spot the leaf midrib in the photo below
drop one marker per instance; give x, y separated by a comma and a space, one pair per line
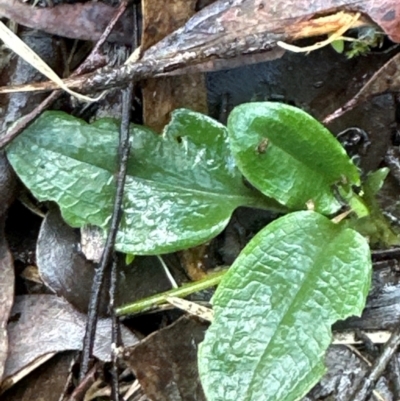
237, 199
313, 170
285, 314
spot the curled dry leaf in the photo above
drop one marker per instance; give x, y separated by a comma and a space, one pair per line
7, 193
43, 324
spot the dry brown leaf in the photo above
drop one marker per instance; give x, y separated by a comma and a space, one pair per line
163, 95
66, 271
6, 296
62, 266
45, 383
386, 79
229, 29
162, 18
19, 47
85, 21
43, 324
165, 363
7, 193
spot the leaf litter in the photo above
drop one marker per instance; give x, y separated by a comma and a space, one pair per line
174, 350
385, 4
7, 193
385, 80
68, 273
85, 21
46, 324
212, 33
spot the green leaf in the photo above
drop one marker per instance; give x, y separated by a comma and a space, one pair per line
129, 258
289, 156
338, 45
181, 187
365, 204
275, 306
375, 225
375, 181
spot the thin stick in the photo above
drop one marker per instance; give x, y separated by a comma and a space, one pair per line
105, 260
115, 333
385, 254
368, 383
116, 340
167, 272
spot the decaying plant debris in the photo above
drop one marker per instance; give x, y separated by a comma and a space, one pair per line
222, 34
213, 33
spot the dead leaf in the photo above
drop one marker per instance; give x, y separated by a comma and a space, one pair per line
165, 363
85, 21
7, 193
18, 71
161, 19
43, 324
386, 13
163, 95
386, 79
62, 266
66, 271
8, 184
45, 383
6, 295
229, 29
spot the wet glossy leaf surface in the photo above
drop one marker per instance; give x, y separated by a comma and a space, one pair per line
66, 271
181, 187
275, 308
288, 155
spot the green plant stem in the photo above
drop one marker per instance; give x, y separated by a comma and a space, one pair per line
147, 303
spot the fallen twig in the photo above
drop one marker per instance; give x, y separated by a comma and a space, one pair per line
368, 383
223, 30
98, 279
